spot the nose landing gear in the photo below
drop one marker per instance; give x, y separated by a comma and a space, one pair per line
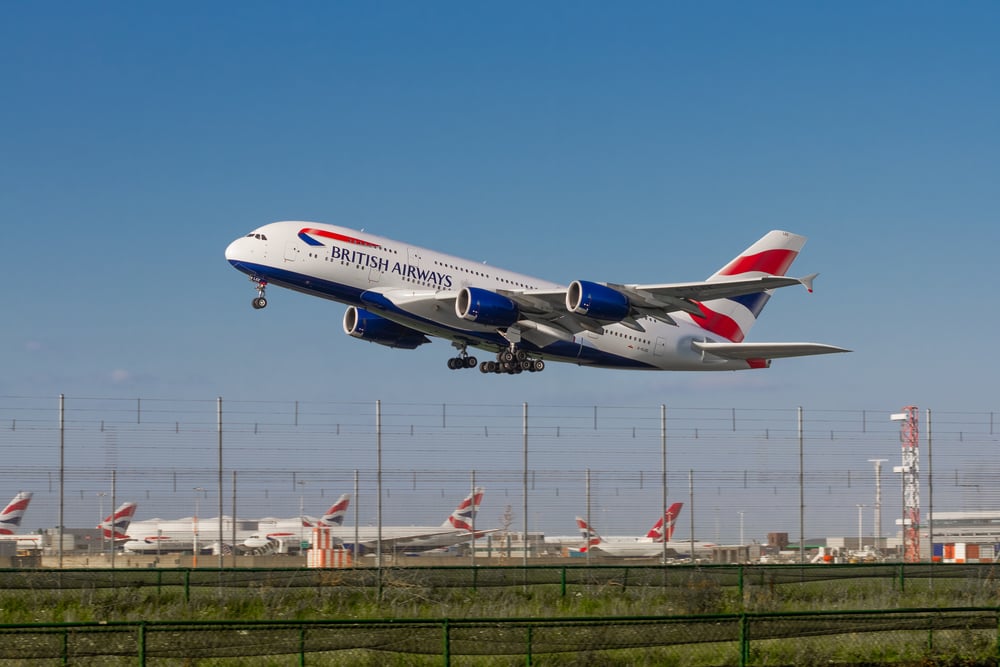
260, 301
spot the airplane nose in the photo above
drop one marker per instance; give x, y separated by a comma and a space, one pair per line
232, 250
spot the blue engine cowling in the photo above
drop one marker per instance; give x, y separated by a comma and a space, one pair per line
359, 323
597, 301
485, 307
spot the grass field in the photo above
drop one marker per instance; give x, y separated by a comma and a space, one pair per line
695, 642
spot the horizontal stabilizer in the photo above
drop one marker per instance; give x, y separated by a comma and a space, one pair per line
764, 350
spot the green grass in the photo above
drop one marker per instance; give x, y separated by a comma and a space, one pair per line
697, 594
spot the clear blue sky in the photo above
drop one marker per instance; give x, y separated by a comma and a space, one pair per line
643, 143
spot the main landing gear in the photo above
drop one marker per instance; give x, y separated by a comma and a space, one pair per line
463, 360
260, 301
511, 361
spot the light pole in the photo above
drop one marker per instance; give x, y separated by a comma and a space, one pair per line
302, 512
742, 542
878, 501
194, 524
100, 519
860, 508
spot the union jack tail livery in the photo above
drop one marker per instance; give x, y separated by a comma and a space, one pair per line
115, 525
656, 532
10, 518
590, 536
333, 517
772, 255
462, 517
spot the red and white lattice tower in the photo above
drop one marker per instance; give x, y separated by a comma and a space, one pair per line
910, 438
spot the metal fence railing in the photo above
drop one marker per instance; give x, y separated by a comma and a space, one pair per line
900, 636
743, 578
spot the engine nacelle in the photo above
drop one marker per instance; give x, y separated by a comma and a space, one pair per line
485, 307
596, 301
359, 323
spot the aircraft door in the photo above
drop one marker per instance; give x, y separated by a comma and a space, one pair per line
659, 347
292, 250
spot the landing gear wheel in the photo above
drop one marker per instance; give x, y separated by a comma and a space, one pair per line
506, 356
539, 366
259, 302
471, 362
521, 355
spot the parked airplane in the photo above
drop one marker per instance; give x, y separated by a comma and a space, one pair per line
456, 529
398, 294
270, 530
10, 518
115, 524
650, 545
10, 522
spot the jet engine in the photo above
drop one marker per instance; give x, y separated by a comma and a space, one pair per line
596, 301
362, 324
485, 307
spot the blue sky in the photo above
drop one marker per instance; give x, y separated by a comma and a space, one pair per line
568, 140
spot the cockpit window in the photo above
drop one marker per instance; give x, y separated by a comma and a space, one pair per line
253, 235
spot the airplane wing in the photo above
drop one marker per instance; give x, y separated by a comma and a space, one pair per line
764, 350
545, 316
428, 540
549, 307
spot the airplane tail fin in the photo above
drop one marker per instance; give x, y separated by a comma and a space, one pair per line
10, 518
732, 318
590, 536
463, 515
663, 529
114, 526
333, 517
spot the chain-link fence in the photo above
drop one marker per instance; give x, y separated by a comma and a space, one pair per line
953, 636
741, 473
702, 615
744, 578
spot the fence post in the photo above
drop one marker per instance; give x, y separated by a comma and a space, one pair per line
562, 581
527, 657
902, 577
142, 643
187, 585
998, 635
744, 639
65, 646
740, 585
302, 646
446, 643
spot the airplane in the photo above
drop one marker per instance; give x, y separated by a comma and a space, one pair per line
270, 530
10, 522
257, 535
398, 294
115, 524
456, 529
10, 518
650, 545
